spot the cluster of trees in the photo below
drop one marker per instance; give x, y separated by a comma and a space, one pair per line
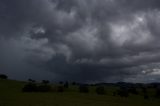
83, 88
100, 90
3, 76
157, 92
44, 86
126, 91
31, 86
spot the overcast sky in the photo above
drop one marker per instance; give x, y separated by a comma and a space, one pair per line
80, 40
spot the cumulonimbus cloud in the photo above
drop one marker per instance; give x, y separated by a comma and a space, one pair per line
81, 40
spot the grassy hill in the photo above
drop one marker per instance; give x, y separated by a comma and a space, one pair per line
11, 95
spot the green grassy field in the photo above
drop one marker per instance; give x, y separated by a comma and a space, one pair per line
11, 95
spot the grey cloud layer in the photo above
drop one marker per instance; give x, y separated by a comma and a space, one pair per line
82, 40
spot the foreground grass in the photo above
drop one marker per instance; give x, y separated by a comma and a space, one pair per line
11, 95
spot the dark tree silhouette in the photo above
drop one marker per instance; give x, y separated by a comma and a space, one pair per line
31, 81
73, 83
114, 93
44, 88
3, 76
133, 90
61, 82
45, 82
123, 92
30, 87
83, 89
66, 85
100, 90
60, 89
146, 96
145, 92
157, 89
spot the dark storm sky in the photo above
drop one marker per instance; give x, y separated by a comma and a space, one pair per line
80, 40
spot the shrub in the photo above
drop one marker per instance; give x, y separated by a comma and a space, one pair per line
123, 92
66, 85
100, 90
144, 90
45, 82
60, 89
30, 87
73, 83
3, 76
44, 88
114, 93
157, 95
133, 90
146, 96
61, 82
31, 81
83, 89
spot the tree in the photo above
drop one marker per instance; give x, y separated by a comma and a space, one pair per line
145, 92
73, 83
114, 93
133, 90
146, 96
60, 89
31, 81
100, 90
83, 89
44, 88
123, 92
66, 85
3, 76
45, 82
30, 87
61, 82
157, 95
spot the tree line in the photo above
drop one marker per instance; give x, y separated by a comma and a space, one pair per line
123, 90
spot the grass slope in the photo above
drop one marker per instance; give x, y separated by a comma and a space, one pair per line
11, 95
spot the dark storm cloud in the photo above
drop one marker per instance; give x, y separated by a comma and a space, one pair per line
81, 40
